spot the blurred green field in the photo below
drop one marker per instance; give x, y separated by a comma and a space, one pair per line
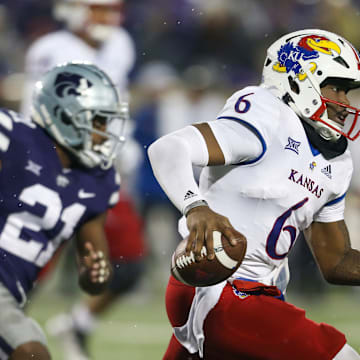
137, 327
339, 308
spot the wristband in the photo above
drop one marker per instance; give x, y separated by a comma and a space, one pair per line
194, 205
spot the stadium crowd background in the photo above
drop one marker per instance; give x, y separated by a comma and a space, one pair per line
191, 55
227, 38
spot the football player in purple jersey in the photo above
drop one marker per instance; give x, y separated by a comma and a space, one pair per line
57, 181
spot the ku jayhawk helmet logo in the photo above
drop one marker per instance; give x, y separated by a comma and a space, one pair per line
308, 48
71, 84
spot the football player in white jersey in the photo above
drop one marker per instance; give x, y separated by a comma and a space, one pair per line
93, 32
275, 163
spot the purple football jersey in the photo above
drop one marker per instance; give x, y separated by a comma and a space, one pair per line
41, 203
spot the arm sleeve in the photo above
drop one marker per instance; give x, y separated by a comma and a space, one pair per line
173, 155
238, 142
332, 211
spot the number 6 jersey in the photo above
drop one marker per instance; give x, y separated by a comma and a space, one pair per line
41, 203
272, 197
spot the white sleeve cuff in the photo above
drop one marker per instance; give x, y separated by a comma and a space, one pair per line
331, 212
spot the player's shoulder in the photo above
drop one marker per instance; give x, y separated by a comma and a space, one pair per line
48, 50
255, 107
122, 34
253, 99
344, 162
13, 122
15, 130
122, 40
50, 40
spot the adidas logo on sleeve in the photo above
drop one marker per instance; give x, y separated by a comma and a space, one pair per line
189, 194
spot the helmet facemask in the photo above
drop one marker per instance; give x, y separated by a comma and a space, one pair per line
347, 121
105, 125
299, 64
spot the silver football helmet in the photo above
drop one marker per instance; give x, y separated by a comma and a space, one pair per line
300, 63
70, 100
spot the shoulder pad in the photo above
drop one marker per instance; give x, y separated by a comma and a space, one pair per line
255, 107
10, 121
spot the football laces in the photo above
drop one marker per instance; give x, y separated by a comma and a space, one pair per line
184, 260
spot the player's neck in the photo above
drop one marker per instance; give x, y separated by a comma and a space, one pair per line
64, 157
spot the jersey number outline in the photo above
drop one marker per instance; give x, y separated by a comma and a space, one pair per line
278, 226
246, 104
31, 250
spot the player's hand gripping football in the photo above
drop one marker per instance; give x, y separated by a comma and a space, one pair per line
95, 270
201, 222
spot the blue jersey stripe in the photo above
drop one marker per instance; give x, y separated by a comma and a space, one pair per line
255, 131
5, 347
335, 201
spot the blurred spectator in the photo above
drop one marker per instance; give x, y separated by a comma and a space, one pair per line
11, 61
156, 83
34, 19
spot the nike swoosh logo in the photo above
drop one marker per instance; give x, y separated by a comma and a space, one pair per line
85, 195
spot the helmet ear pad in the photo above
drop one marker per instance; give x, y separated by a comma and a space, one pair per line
293, 85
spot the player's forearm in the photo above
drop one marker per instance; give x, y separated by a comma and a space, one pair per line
93, 232
347, 271
172, 158
92, 255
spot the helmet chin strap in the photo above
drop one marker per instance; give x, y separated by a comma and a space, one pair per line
89, 158
325, 132
328, 149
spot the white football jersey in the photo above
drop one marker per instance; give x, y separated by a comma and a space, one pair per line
273, 197
116, 57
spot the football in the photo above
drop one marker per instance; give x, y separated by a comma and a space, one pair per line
207, 272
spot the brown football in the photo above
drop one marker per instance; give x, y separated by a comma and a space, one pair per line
207, 272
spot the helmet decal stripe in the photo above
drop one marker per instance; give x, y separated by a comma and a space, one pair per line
356, 56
